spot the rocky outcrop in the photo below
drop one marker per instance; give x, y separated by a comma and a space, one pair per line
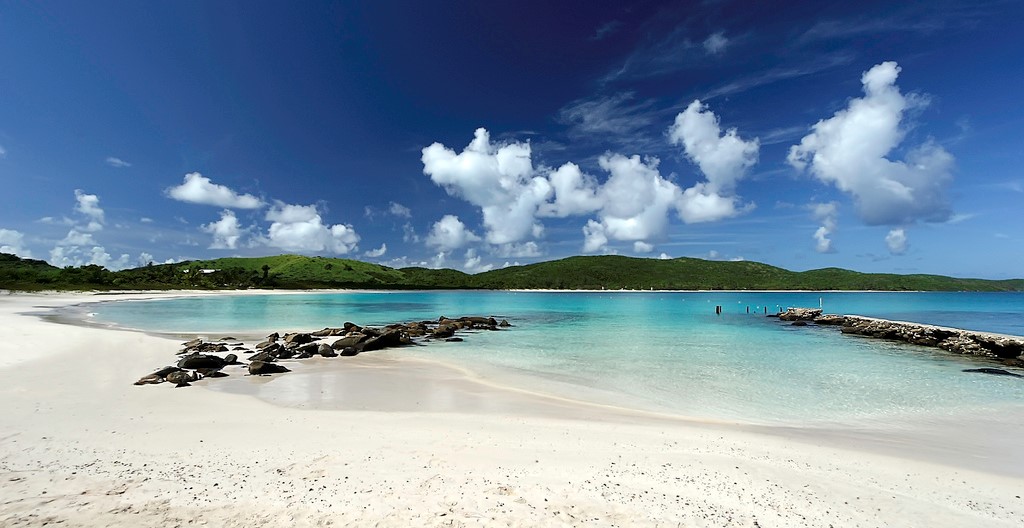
1009, 349
800, 314
950, 339
199, 360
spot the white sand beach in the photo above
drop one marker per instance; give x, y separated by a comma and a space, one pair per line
420, 445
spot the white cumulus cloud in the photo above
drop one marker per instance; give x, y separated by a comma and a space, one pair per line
636, 199
497, 178
642, 247
77, 238
13, 242
226, 231
199, 189
474, 263
850, 149
450, 233
896, 240
825, 213
723, 158
89, 205
575, 193
379, 252
300, 228
399, 210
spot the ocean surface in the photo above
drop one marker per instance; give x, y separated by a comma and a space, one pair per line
660, 351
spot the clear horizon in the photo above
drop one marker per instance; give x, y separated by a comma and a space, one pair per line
876, 137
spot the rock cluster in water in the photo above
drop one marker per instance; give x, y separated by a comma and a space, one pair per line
200, 360
1009, 349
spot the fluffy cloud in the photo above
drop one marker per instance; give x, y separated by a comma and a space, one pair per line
199, 189
62, 256
722, 158
497, 178
13, 242
77, 238
118, 163
450, 233
575, 193
825, 213
300, 228
716, 43
594, 237
632, 205
896, 240
399, 210
379, 252
474, 263
636, 199
642, 247
89, 206
849, 151
225, 231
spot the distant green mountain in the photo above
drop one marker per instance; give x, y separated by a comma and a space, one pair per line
589, 272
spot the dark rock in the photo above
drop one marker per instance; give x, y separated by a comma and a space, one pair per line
211, 373
228, 339
326, 351
504, 323
799, 323
197, 361
298, 339
258, 368
180, 378
230, 359
264, 356
157, 377
351, 327
193, 343
482, 321
454, 340
327, 332
995, 372
237, 348
444, 331
349, 341
348, 351
273, 337
800, 314
285, 353
829, 319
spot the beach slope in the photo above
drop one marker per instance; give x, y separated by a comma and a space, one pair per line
81, 446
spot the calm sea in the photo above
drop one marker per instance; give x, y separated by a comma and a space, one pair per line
662, 351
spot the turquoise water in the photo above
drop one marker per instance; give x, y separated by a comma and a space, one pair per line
657, 350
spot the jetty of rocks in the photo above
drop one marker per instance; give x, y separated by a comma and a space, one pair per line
1006, 348
200, 359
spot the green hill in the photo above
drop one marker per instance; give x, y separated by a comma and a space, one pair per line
589, 272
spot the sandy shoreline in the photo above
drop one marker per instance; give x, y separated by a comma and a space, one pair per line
80, 445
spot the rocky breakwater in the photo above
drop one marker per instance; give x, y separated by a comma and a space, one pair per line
202, 359
1007, 349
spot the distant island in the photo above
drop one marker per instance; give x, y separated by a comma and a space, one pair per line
609, 272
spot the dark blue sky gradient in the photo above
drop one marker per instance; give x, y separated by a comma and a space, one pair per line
329, 104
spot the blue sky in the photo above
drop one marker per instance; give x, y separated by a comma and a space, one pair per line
882, 136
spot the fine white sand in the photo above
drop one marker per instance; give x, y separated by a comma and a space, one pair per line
80, 445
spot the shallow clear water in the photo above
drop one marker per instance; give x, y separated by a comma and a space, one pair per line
658, 350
